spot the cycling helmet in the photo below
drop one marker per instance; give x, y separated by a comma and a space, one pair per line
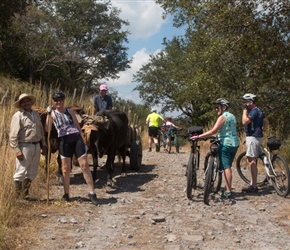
250, 97
153, 110
58, 95
222, 101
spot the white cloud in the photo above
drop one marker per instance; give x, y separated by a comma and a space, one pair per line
140, 58
145, 17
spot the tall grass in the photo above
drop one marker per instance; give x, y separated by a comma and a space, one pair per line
7, 198
10, 207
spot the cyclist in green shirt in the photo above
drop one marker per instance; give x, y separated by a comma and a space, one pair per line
153, 121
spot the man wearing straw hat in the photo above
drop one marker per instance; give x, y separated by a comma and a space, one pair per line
27, 139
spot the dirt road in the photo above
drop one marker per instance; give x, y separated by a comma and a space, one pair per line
149, 210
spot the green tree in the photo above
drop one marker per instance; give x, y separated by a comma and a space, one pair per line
71, 43
230, 48
8, 9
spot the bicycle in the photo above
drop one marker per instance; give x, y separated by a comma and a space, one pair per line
170, 138
166, 137
276, 170
194, 160
212, 170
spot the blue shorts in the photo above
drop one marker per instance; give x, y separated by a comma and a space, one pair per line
71, 144
227, 155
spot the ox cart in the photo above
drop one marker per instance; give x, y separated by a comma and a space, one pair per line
134, 147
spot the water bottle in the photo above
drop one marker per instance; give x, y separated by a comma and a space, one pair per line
265, 160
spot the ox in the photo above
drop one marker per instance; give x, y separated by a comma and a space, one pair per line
108, 136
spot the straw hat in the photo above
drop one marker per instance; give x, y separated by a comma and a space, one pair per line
22, 96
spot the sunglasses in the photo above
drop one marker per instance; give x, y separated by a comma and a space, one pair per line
217, 107
58, 100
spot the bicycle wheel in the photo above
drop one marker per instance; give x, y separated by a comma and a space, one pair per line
191, 176
208, 180
177, 147
218, 177
206, 161
169, 143
244, 170
217, 174
281, 181
176, 144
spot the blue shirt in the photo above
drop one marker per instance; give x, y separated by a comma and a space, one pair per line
102, 103
255, 127
228, 135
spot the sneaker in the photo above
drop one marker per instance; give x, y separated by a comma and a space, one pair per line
149, 150
157, 147
250, 189
65, 198
226, 195
93, 198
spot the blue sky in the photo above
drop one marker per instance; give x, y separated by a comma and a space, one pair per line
147, 32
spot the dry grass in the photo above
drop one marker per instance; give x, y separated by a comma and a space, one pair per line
13, 219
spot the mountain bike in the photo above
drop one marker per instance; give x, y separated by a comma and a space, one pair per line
167, 137
194, 160
171, 139
275, 170
212, 172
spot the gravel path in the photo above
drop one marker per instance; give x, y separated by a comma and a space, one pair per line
149, 210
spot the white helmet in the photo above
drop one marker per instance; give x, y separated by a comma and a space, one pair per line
250, 97
153, 110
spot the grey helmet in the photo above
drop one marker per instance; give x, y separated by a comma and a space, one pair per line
222, 101
250, 97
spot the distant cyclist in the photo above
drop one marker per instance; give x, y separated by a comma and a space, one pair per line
153, 121
168, 126
226, 128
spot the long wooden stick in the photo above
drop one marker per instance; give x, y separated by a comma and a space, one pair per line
48, 148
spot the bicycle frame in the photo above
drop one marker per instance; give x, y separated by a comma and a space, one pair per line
211, 170
193, 162
195, 150
270, 157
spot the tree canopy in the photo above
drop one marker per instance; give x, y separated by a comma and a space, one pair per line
70, 42
229, 48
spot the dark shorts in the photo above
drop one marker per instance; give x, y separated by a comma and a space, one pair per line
227, 156
153, 131
71, 144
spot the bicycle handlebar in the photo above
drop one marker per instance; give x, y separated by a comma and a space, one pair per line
205, 139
